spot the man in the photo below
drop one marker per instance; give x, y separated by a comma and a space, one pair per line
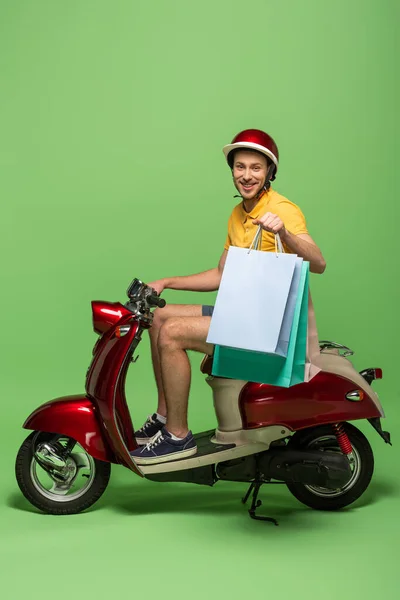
253, 158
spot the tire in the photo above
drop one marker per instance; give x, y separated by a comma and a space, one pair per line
323, 498
61, 499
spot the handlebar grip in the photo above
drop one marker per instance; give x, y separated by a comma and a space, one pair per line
153, 300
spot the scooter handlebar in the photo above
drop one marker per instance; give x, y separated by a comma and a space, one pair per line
154, 300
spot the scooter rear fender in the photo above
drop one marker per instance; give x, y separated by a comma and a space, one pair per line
73, 416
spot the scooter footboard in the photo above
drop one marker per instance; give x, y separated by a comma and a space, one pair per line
73, 416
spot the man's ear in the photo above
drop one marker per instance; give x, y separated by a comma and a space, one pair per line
271, 171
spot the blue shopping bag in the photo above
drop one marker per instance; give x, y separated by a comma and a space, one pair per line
266, 368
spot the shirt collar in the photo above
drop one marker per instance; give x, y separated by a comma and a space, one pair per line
259, 208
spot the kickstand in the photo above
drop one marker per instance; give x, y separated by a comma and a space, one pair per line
255, 488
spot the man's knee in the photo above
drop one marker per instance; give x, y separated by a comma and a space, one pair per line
160, 315
171, 331
157, 319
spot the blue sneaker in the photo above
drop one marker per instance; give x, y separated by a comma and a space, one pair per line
162, 448
149, 430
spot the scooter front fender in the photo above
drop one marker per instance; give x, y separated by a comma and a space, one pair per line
73, 416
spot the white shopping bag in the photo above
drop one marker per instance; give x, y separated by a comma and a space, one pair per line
256, 299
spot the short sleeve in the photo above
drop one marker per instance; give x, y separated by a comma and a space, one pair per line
292, 217
228, 242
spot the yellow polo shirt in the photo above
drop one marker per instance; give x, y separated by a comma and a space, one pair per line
241, 230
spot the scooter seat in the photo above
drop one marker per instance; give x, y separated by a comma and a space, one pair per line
206, 364
206, 368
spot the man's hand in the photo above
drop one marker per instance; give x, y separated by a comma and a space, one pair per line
272, 223
159, 285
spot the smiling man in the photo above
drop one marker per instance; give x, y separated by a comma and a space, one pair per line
253, 159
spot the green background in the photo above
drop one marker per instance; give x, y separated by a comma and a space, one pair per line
113, 116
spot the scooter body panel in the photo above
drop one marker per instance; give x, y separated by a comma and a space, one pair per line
105, 383
73, 416
320, 401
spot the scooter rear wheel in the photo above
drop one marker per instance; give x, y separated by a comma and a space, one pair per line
324, 438
66, 491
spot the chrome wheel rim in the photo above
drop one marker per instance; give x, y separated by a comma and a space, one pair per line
355, 468
79, 475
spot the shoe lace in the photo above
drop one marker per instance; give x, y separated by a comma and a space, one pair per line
155, 441
150, 421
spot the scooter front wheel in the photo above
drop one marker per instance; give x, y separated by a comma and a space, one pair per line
58, 476
323, 438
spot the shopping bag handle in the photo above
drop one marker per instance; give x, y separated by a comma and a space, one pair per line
257, 242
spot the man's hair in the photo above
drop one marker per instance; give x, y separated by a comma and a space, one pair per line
231, 156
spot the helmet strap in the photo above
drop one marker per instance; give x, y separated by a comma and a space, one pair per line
269, 176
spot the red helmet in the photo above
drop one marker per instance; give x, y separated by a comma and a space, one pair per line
253, 139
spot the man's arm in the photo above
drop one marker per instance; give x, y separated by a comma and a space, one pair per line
207, 281
303, 245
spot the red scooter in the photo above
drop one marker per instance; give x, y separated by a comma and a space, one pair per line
299, 436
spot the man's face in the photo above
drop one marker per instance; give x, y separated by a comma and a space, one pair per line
249, 173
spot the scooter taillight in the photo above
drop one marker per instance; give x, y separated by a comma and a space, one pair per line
107, 314
371, 374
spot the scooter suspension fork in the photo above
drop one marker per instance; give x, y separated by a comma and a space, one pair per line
343, 441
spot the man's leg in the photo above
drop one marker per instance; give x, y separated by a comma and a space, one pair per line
175, 337
160, 317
